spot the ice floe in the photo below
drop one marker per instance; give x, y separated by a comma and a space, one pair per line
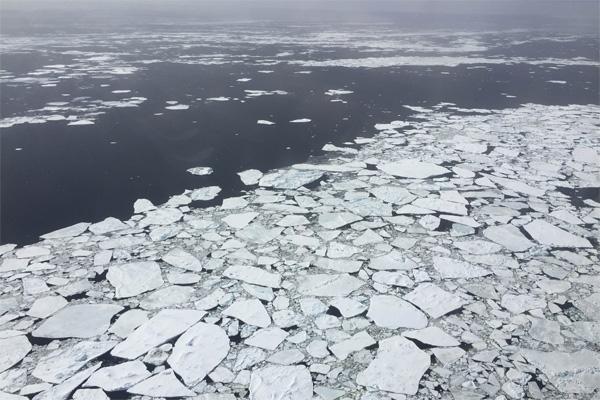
443, 272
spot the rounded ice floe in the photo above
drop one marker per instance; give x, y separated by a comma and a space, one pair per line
433, 300
161, 216
253, 275
128, 321
392, 312
61, 364
328, 285
289, 179
397, 368
550, 235
394, 260
410, 168
575, 372
281, 382
161, 328
250, 177
198, 351
13, 350
143, 205
177, 107
432, 336
69, 231
78, 321
337, 220
205, 193
109, 224
353, 344
450, 268
163, 384
134, 278
251, 312
46, 306
180, 258
200, 171
267, 338
393, 194
118, 377
239, 221
81, 122
338, 92
167, 297
508, 236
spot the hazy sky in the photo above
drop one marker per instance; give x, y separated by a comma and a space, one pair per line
23, 15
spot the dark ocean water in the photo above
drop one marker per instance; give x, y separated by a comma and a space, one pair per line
67, 174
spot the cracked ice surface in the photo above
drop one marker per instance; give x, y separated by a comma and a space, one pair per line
352, 289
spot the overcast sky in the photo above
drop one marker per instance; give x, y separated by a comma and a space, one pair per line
56, 14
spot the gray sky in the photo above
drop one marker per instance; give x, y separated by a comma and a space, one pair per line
559, 14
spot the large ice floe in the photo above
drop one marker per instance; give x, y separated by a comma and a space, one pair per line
413, 268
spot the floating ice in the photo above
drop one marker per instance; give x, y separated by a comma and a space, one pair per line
177, 107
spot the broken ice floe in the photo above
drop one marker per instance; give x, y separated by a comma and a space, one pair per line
200, 171
442, 272
176, 107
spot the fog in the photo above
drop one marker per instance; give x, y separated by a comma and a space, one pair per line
36, 16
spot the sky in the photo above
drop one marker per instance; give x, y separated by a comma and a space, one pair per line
48, 15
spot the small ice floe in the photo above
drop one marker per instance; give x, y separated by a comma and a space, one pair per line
18, 149
171, 102
257, 93
200, 171
471, 110
391, 126
250, 176
264, 122
38, 119
411, 168
338, 92
120, 91
205, 193
264, 71
55, 117
300, 121
331, 147
418, 109
81, 122
128, 102
123, 70
177, 107
303, 72
220, 98
244, 79
558, 82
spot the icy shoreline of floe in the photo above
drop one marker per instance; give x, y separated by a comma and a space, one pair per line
461, 272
